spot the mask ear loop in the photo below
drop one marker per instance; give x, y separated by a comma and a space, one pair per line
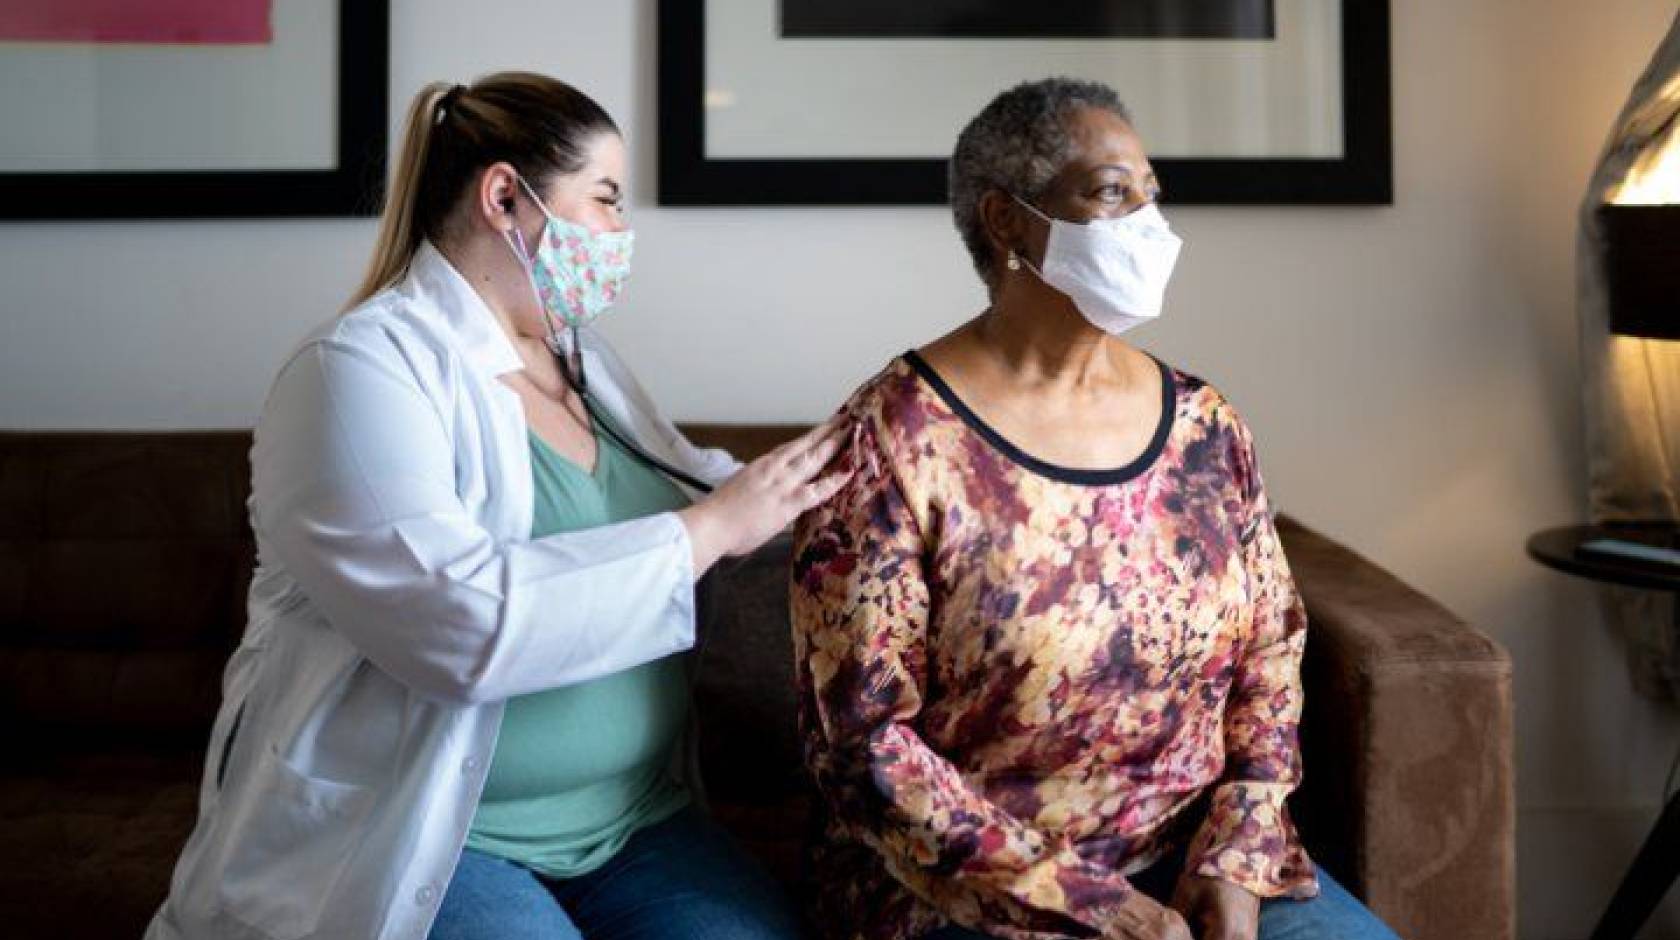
1021, 256
573, 371
577, 359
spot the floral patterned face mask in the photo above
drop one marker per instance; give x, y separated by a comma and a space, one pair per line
577, 274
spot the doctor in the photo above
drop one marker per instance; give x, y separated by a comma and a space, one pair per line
456, 708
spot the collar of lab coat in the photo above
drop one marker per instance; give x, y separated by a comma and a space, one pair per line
478, 334
440, 290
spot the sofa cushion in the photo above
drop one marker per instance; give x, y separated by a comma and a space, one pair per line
124, 486
772, 831
124, 562
744, 695
124, 594
96, 831
94, 697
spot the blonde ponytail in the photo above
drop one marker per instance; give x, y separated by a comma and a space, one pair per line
399, 235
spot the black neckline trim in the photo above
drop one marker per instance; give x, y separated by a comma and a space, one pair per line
1087, 477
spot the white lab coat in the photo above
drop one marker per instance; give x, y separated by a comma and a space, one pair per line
398, 601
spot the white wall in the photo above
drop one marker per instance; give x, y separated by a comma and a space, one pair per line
1411, 370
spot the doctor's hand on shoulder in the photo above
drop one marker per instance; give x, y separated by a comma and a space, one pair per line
763, 497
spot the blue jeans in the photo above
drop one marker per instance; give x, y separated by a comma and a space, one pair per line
1333, 915
682, 879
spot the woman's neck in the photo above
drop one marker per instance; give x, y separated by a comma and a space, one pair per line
500, 280
1051, 344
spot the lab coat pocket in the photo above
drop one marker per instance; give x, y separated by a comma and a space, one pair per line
287, 851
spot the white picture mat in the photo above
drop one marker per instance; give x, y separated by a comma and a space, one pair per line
89, 107
769, 98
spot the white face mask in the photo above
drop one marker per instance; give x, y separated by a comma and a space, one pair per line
1114, 270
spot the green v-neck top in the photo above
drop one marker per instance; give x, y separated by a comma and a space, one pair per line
578, 770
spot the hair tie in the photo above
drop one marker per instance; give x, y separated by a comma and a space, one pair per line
448, 101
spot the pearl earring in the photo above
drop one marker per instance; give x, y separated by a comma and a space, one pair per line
1014, 263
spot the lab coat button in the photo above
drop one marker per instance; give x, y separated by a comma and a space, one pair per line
426, 895
470, 765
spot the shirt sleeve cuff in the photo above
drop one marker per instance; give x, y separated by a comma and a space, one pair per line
1249, 840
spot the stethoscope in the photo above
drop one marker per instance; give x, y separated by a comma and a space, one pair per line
573, 373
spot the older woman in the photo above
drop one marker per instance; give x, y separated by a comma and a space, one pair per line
1048, 642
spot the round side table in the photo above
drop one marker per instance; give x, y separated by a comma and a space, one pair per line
1658, 862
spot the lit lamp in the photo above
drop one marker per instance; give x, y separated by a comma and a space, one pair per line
1641, 229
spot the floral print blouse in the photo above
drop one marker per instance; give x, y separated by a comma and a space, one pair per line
1020, 682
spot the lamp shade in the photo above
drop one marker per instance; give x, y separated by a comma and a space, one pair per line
1642, 269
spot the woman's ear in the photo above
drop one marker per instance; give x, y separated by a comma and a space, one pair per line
1001, 220
497, 198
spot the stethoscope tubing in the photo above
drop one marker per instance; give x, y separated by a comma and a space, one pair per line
580, 385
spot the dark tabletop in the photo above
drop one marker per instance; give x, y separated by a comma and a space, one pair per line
1557, 548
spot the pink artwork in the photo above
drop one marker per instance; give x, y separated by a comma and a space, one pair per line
198, 22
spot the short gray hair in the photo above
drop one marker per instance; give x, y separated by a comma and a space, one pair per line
1018, 144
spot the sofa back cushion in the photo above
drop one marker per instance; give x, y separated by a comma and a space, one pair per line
744, 691
124, 563
124, 559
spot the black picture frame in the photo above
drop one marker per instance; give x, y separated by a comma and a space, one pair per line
351, 188
1363, 175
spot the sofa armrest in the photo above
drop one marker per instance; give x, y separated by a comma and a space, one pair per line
1406, 740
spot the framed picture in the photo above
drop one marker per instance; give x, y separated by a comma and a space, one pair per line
192, 108
858, 102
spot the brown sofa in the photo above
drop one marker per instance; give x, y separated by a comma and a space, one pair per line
123, 564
